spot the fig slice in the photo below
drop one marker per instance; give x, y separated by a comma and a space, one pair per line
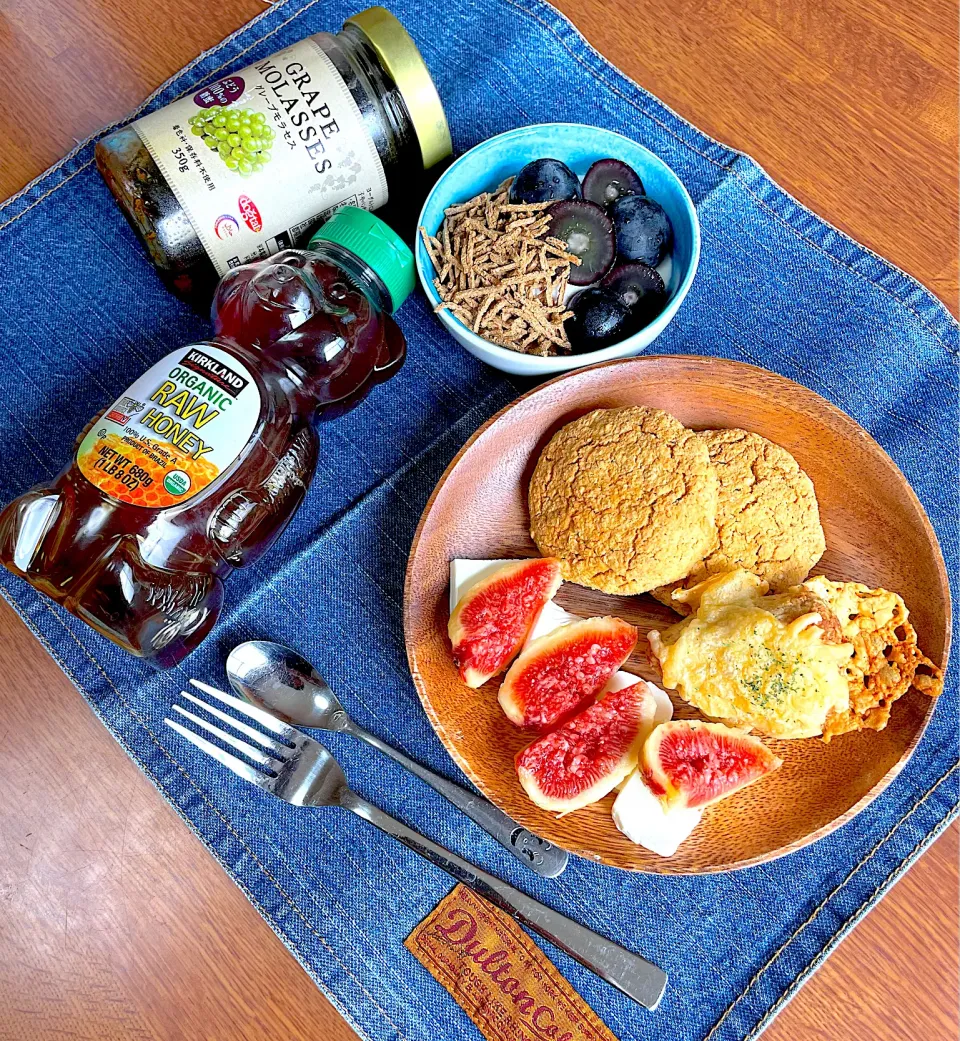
556, 675
588, 756
695, 764
494, 616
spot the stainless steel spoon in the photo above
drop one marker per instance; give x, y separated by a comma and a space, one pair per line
285, 683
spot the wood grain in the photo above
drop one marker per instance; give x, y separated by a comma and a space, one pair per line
115, 922
876, 533
852, 106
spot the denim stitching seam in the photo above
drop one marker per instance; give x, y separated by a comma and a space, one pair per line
817, 960
121, 740
834, 892
144, 104
246, 27
780, 218
279, 888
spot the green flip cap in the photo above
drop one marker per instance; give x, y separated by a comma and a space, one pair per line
376, 244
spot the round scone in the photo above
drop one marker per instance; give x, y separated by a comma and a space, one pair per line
626, 498
767, 516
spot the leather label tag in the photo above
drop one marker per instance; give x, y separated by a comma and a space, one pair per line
499, 976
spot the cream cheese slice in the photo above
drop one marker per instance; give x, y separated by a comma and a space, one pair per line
641, 816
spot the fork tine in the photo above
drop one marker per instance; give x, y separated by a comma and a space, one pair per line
278, 749
265, 719
241, 746
240, 768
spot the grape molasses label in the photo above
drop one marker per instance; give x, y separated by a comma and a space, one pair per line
259, 159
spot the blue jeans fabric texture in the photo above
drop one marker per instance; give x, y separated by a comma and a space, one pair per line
83, 315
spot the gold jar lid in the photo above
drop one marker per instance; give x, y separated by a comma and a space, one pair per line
399, 56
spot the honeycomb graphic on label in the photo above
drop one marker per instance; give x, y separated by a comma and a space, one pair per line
142, 472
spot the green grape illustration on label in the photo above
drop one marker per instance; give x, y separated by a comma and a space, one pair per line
239, 136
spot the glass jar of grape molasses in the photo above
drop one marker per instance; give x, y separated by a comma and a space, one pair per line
255, 162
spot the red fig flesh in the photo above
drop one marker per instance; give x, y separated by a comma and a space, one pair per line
559, 673
590, 754
494, 617
691, 763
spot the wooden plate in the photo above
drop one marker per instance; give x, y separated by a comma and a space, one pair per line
876, 533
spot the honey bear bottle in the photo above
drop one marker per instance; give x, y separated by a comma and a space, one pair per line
197, 468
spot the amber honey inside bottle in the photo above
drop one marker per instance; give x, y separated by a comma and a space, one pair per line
199, 465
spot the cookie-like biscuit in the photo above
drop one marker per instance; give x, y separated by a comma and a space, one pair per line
626, 498
767, 516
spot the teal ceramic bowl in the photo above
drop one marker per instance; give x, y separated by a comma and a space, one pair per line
490, 163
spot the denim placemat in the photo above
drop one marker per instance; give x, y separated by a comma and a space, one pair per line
83, 315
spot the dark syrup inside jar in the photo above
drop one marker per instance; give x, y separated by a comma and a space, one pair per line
363, 91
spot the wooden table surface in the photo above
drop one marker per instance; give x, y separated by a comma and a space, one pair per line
114, 921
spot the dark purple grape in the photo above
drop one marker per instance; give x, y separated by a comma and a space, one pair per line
599, 320
588, 233
643, 229
608, 179
544, 180
639, 287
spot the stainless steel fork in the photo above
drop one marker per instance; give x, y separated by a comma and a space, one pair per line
299, 770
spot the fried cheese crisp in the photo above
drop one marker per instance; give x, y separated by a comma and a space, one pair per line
771, 663
886, 661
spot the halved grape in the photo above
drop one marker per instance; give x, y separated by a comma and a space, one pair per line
588, 233
639, 287
608, 179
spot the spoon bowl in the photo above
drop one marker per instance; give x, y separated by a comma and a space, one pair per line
278, 679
